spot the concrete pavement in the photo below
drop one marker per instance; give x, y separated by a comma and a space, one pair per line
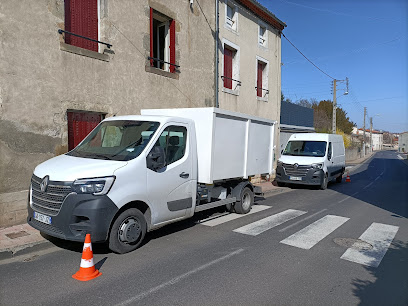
22, 239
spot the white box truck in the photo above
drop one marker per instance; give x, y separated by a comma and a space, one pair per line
312, 159
134, 174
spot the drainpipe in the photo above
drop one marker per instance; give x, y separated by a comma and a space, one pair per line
217, 31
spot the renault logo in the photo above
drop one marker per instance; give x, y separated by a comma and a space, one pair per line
44, 183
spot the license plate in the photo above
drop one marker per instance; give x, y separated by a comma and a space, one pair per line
295, 178
42, 218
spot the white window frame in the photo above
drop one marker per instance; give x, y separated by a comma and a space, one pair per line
231, 23
262, 40
265, 78
235, 67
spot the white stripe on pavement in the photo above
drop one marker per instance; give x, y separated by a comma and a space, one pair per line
312, 234
380, 237
177, 279
267, 223
229, 217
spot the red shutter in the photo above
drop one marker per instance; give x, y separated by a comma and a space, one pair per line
228, 54
80, 124
172, 45
81, 17
151, 37
259, 80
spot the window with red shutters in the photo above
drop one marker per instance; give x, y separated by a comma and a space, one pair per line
228, 56
81, 17
80, 124
162, 41
259, 80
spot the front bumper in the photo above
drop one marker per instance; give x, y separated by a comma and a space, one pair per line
312, 177
78, 216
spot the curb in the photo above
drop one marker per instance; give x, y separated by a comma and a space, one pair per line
25, 249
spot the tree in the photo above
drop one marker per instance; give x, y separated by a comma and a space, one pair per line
323, 118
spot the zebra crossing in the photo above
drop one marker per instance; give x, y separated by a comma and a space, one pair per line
378, 235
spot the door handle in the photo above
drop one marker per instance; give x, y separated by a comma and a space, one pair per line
184, 175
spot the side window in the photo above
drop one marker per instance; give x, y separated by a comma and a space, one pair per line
329, 151
173, 140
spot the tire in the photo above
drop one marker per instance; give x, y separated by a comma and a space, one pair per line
339, 179
324, 183
246, 201
127, 232
281, 184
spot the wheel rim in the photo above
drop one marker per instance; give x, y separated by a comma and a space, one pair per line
246, 201
129, 230
325, 181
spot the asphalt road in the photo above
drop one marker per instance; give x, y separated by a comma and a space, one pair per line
298, 253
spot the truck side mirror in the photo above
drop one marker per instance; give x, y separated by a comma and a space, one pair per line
156, 159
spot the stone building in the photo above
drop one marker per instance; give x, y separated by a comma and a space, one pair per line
56, 85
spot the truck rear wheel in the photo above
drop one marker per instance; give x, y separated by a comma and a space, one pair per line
246, 201
127, 231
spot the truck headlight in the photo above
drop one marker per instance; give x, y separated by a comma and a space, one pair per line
317, 166
279, 163
95, 186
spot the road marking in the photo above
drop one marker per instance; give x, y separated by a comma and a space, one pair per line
368, 185
303, 220
312, 234
348, 197
377, 178
178, 278
400, 157
229, 217
267, 223
380, 237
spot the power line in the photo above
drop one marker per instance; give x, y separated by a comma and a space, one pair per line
307, 58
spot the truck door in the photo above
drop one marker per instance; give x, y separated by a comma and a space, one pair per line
171, 189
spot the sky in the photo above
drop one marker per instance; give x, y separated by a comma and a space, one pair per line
363, 40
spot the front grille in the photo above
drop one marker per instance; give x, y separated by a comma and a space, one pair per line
50, 201
300, 170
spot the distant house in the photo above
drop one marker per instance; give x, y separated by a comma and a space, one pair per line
403, 142
376, 141
294, 119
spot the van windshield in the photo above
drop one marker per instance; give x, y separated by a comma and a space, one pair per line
305, 148
116, 140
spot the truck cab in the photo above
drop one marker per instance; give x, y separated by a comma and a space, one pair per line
139, 162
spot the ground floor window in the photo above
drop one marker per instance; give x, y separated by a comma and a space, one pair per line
80, 124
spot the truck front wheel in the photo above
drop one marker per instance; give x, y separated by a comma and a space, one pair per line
247, 200
127, 231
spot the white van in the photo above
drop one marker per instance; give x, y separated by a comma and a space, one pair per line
312, 159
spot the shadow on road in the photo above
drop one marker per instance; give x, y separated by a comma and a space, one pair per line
390, 284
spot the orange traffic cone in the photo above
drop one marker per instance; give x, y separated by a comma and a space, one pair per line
348, 178
87, 269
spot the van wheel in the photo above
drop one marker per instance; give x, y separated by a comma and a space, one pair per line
281, 184
247, 200
127, 231
324, 183
339, 179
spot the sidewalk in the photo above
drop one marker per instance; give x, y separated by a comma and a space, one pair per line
22, 239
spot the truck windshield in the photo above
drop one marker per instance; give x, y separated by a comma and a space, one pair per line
305, 148
116, 140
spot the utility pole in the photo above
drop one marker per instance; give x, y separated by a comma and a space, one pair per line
371, 134
365, 111
334, 106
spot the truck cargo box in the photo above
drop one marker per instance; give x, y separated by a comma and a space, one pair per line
229, 144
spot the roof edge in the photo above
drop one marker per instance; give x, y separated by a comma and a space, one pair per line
262, 12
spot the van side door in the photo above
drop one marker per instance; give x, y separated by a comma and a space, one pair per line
170, 188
